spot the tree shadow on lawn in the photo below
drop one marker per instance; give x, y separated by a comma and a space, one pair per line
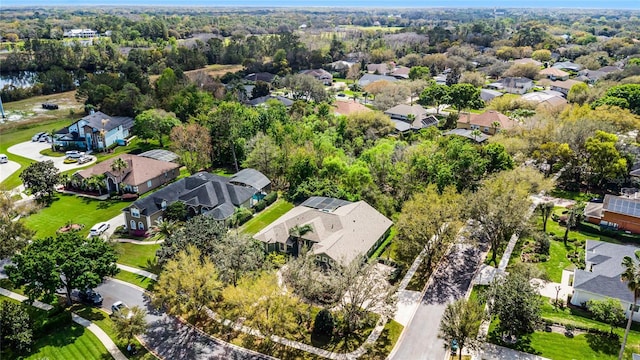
523, 343
603, 343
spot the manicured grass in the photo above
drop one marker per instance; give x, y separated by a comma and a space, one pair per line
266, 217
557, 260
104, 322
70, 208
386, 244
67, 343
571, 195
13, 134
476, 293
139, 280
139, 256
386, 341
584, 346
49, 152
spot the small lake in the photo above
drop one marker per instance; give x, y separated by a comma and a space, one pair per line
20, 79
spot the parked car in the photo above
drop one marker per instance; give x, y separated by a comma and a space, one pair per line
74, 154
4, 159
90, 297
45, 138
84, 159
37, 136
99, 228
119, 306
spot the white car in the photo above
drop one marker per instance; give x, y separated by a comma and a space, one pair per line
99, 228
37, 136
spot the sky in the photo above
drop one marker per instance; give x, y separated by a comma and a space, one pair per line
609, 4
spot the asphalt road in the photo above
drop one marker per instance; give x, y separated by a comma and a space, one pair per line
452, 279
166, 335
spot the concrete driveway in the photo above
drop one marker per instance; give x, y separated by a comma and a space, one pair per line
7, 169
167, 336
31, 150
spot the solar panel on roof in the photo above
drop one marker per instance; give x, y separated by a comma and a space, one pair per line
324, 203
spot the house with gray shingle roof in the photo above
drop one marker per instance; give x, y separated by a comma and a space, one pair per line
340, 230
411, 117
601, 277
203, 194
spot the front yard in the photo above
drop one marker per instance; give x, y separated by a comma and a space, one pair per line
138, 256
73, 209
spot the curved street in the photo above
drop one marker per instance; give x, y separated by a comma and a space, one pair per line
168, 337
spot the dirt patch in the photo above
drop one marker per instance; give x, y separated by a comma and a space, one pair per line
70, 227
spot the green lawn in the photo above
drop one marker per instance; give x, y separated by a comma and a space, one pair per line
70, 208
557, 260
266, 217
17, 134
580, 347
386, 341
139, 280
67, 343
104, 322
571, 195
385, 249
139, 256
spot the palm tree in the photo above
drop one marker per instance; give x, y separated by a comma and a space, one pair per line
164, 228
496, 126
129, 322
298, 231
95, 183
118, 166
50, 135
475, 133
574, 216
631, 275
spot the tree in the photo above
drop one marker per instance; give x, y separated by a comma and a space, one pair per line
608, 311
14, 235
604, 161
391, 96
305, 87
574, 216
529, 71
553, 153
263, 155
465, 96
323, 324
129, 323
187, 285
501, 204
236, 256
15, 327
630, 275
203, 232
498, 159
41, 178
546, 209
629, 93
460, 322
428, 221
164, 227
541, 55
578, 94
230, 124
435, 95
419, 72
67, 261
261, 89
193, 144
474, 78
118, 166
516, 303
154, 124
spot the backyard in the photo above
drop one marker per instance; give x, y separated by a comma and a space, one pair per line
266, 217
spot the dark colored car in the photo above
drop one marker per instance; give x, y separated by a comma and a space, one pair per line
90, 297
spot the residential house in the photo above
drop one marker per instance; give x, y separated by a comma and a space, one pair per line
367, 79
568, 66
601, 277
487, 95
142, 174
340, 230
349, 107
545, 98
489, 122
554, 74
262, 100
591, 76
341, 65
80, 33
161, 154
381, 69
203, 194
320, 74
411, 117
617, 212
513, 85
261, 76
400, 72
563, 86
94, 132
527, 61
469, 134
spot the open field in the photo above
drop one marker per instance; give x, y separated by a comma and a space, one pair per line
31, 109
215, 70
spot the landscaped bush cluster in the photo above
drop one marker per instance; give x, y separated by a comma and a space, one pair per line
536, 249
242, 216
266, 201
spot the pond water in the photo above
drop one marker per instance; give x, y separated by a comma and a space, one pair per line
20, 79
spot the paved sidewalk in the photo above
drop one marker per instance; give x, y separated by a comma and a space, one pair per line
138, 271
101, 335
21, 298
495, 352
139, 242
